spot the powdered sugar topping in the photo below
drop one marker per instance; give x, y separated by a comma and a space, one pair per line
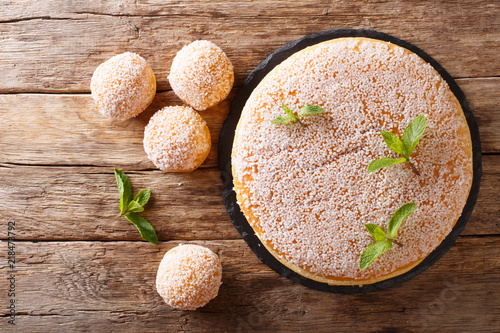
201, 75
123, 86
307, 188
189, 276
177, 139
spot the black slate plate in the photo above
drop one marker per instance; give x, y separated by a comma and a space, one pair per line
226, 142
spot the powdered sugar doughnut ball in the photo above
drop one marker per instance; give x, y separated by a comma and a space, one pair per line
123, 86
177, 139
189, 277
201, 75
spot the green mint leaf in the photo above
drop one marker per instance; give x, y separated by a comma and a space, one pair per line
143, 197
398, 217
306, 110
372, 252
412, 134
282, 120
376, 231
124, 189
393, 142
311, 109
383, 162
135, 207
289, 112
145, 228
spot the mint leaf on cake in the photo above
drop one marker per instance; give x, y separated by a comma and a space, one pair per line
398, 217
404, 147
308, 109
384, 162
282, 120
372, 252
383, 241
412, 135
376, 231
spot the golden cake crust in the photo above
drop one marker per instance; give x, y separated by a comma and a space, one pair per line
305, 190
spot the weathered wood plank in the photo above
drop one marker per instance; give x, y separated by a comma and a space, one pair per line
68, 280
68, 130
486, 109
80, 203
69, 39
94, 286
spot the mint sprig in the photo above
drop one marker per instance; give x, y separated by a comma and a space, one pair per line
383, 241
411, 136
130, 207
124, 189
145, 228
308, 109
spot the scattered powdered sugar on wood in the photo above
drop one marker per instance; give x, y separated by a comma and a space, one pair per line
306, 191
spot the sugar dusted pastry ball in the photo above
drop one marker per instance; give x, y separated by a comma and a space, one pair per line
123, 86
189, 276
201, 75
177, 139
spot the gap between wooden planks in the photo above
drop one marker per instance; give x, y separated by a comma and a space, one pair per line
96, 286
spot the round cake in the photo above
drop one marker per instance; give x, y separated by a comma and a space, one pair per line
304, 188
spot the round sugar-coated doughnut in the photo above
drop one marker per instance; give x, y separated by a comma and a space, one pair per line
189, 277
123, 86
177, 139
201, 75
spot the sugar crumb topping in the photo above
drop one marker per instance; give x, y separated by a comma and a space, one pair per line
123, 86
201, 74
306, 190
189, 276
177, 139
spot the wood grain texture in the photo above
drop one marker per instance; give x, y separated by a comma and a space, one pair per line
68, 129
69, 39
80, 269
74, 203
95, 286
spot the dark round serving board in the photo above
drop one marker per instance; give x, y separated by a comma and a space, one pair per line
226, 143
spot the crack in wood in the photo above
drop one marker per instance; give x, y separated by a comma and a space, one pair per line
24, 19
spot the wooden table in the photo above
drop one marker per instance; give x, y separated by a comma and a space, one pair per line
80, 269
